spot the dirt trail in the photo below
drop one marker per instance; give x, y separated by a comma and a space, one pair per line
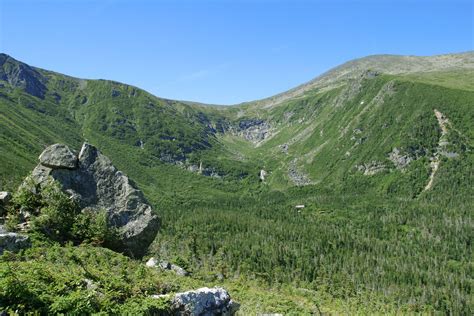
435, 160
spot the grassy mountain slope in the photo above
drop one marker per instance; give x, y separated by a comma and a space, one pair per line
357, 146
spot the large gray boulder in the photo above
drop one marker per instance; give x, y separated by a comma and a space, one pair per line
202, 302
92, 180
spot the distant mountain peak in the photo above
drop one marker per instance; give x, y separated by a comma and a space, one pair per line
19, 75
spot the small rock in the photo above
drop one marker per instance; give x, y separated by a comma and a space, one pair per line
13, 242
90, 285
262, 174
205, 301
178, 270
284, 148
5, 198
165, 265
158, 296
151, 263
449, 154
193, 168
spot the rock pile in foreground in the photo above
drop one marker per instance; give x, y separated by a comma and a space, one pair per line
92, 180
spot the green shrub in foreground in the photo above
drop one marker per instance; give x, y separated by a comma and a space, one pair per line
78, 280
56, 216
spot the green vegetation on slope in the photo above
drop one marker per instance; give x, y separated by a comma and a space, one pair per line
364, 243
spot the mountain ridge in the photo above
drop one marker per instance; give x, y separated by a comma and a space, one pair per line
205, 131
377, 61
379, 165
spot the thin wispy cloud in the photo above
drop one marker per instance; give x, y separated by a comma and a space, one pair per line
195, 75
203, 73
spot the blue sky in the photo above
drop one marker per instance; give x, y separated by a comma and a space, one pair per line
224, 52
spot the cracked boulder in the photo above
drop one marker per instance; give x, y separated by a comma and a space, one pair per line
92, 180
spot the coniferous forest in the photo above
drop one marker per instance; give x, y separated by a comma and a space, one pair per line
351, 194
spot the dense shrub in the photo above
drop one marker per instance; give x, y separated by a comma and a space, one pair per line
77, 280
55, 215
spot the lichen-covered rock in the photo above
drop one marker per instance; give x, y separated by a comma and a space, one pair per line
92, 180
58, 156
204, 302
12, 241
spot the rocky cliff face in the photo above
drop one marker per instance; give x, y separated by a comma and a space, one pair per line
19, 75
92, 180
253, 129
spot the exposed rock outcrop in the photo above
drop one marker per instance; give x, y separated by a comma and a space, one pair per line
371, 168
20, 75
297, 176
399, 160
253, 130
204, 302
92, 180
